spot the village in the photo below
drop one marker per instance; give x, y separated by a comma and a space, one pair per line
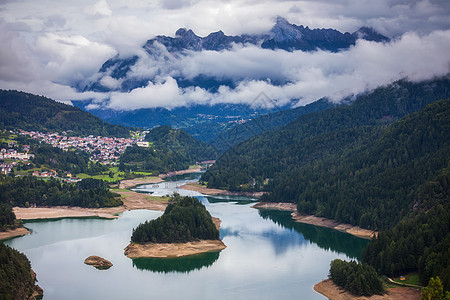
106, 150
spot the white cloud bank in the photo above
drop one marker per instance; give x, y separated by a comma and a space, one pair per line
309, 75
49, 44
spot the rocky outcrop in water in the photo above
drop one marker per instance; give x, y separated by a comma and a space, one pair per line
98, 262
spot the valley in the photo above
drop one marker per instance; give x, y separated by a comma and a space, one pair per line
225, 150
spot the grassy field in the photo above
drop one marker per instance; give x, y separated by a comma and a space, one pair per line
411, 278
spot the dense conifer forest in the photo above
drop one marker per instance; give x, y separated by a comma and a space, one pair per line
421, 241
184, 220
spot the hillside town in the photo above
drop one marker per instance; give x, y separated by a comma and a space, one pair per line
106, 150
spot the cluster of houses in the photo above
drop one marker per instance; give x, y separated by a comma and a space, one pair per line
103, 149
12, 154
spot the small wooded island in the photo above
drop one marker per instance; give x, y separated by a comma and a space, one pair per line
185, 228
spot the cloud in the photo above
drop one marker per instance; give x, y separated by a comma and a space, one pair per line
99, 9
48, 45
69, 58
306, 76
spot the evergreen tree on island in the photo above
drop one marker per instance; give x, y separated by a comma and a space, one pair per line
184, 220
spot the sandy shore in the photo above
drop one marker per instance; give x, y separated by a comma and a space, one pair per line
276, 206
131, 200
165, 250
126, 184
324, 222
13, 233
317, 221
333, 292
193, 186
180, 172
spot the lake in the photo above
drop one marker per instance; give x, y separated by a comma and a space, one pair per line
268, 256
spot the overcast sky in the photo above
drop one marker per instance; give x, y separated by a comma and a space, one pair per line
46, 45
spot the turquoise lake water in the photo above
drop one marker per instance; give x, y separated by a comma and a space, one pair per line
268, 256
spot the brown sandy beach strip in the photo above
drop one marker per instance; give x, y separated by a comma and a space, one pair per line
13, 233
131, 200
193, 186
317, 221
164, 250
333, 292
324, 222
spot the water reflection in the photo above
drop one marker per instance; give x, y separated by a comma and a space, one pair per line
180, 264
325, 238
233, 199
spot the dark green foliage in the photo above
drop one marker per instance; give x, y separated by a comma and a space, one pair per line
354, 163
184, 220
358, 279
73, 161
23, 191
420, 242
16, 281
7, 217
240, 132
435, 291
170, 150
31, 112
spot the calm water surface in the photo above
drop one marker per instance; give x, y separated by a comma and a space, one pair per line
268, 256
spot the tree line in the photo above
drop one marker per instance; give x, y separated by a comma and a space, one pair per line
29, 191
185, 219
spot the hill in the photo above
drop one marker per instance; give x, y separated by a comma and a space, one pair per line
347, 163
31, 112
169, 150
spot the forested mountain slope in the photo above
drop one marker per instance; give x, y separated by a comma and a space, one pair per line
343, 151
240, 132
32, 112
169, 150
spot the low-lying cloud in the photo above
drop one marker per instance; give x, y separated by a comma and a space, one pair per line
305, 76
48, 45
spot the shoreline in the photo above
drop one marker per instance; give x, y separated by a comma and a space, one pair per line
8, 234
215, 192
317, 221
172, 250
328, 223
130, 183
330, 290
131, 201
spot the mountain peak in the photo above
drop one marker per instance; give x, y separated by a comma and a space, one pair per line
184, 32
284, 31
369, 34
